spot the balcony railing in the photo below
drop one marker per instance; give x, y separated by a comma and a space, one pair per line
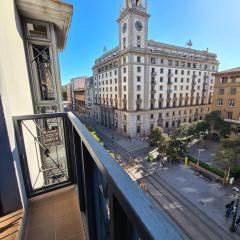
56, 150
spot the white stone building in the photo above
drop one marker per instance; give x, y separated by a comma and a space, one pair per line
142, 84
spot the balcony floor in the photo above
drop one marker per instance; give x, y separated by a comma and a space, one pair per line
55, 216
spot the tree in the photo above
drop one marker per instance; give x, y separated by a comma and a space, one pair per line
182, 131
228, 154
156, 137
216, 123
227, 159
175, 148
201, 128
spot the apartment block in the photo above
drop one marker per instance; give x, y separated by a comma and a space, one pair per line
226, 96
142, 84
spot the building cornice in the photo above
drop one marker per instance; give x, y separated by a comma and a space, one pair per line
52, 11
152, 43
147, 51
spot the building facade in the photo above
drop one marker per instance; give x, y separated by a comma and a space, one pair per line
226, 96
142, 84
89, 97
77, 92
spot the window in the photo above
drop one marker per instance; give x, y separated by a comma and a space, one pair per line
231, 103
161, 88
139, 41
229, 115
124, 42
125, 117
138, 59
115, 80
233, 91
221, 91
124, 70
138, 78
176, 71
224, 79
125, 128
153, 60
138, 88
182, 72
41, 61
124, 60
124, 88
220, 102
115, 72
138, 96
138, 117
161, 79
151, 116
138, 69
124, 79
161, 70
138, 129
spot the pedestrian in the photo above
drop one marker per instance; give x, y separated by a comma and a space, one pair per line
230, 208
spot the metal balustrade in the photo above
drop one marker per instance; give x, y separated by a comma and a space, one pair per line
113, 206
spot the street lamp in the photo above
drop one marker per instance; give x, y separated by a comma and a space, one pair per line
199, 152
236, 193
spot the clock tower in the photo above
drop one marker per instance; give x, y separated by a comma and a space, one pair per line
133, 25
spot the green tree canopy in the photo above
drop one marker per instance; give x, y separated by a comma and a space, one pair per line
217, 124
156, 137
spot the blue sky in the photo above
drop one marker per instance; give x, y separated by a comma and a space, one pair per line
213, 24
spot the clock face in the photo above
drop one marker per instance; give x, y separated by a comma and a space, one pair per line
124, 28
139, 26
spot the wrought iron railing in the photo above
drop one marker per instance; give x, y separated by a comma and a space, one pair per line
113, 206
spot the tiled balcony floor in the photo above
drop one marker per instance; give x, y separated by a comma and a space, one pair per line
9, 225
55, 216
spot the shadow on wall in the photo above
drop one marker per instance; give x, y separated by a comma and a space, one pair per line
9, 192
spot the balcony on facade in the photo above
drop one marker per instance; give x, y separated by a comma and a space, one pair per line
78, 186
153, 73
153, 91
194, 83
153, 82
169, 82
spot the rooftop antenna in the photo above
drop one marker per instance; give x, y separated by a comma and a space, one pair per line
104, 49
189, 43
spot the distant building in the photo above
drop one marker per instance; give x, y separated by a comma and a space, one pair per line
226, 96
89, 97
76, 93
142, 84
